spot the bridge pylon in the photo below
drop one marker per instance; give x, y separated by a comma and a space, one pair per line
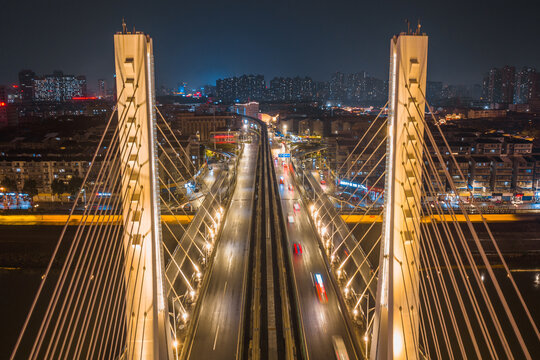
147, 327
396, 324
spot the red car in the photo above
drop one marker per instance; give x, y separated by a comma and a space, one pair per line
297, 248
290, 187
323, 182
281, 180
319, 286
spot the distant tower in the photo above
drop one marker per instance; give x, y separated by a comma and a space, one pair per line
396, 324
26, 85
148, 331
102, 88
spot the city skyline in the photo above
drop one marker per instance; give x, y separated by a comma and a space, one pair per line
199, 44
363, 217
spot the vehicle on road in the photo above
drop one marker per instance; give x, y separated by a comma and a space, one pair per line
281, 180
290, 218
290, 187
339, 348
297, 248
323, 182
296, 207
319, 286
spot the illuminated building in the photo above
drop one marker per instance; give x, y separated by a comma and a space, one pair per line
248, 109
499, 85
3, 107
102, 88
202, 126
26, 84
241, 89
291, 89
526, 81
58, 87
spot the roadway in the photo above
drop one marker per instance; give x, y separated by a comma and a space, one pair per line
320, 321
217, 331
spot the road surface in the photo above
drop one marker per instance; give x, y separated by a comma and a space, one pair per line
218, 326
320, 321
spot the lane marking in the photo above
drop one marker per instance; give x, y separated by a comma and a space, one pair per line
215, 339
219, 323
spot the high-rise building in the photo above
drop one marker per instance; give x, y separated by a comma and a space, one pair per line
492, 92
508, 77
102, 88
498, 85
321, 90
241, 89
337, 86
291, 89
26, 84
3, 107
526, 85
58, 87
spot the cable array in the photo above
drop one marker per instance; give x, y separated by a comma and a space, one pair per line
73, 311
189, 249
464, 302
80, 308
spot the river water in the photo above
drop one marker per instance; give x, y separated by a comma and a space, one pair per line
24, 251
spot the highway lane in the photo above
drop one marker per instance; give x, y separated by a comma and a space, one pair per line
218, 326
320, 321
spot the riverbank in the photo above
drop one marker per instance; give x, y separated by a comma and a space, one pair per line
61, 219
76, 219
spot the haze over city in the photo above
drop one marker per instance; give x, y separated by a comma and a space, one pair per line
198, 43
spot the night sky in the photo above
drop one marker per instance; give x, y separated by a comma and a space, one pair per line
200, 41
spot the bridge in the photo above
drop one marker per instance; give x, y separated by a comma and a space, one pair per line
271, 266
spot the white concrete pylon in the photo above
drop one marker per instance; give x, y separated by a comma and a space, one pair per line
396, 325
148, 331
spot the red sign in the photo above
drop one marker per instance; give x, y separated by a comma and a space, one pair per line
84, 98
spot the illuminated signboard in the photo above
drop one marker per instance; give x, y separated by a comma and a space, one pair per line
351, 184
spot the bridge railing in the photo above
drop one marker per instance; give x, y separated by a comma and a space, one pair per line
186, 264
336, 235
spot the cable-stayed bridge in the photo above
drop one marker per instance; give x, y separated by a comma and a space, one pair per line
262, 263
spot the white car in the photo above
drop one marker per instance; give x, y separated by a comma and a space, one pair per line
296, 207
291, 219
339, 348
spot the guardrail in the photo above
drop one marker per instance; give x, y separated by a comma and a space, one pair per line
195, 238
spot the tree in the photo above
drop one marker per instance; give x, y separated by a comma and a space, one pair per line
30, 187
74, 185
58, 187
